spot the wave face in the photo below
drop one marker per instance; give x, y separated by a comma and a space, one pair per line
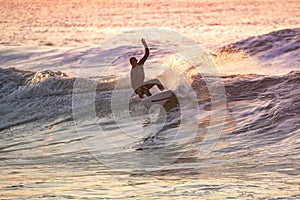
265, 109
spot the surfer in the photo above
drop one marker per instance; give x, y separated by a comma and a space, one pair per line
137, 75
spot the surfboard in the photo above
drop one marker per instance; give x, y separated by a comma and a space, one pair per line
159, 98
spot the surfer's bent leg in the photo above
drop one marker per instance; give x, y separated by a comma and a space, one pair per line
143, 90
149, 84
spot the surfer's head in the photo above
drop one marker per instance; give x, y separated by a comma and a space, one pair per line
133, 61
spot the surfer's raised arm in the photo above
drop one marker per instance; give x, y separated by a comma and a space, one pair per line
143, 60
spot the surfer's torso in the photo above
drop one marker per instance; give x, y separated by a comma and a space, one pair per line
137, 76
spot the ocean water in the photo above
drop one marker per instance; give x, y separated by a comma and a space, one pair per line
72, 128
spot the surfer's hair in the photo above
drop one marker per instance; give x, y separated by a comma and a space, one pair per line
132, 59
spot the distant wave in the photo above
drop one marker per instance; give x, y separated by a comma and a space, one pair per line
270, 45
277, 51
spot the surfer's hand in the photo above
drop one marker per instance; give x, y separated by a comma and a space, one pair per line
144, 43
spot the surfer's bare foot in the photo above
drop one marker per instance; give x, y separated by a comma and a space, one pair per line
140, 93
147, 92
161, 87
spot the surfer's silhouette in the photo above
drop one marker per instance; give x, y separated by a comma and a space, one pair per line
137, 75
